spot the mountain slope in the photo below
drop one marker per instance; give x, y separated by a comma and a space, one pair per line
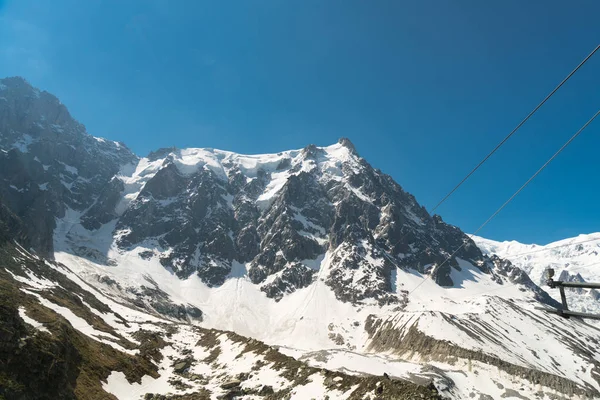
60, 338
311, 251
48, 163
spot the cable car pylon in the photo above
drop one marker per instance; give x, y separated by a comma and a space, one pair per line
561, 285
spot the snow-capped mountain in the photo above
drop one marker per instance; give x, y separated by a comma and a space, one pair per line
574, 259
214, 214
312, 252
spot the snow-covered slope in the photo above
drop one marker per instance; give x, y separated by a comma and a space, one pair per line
477, 338
63, 339
456, 338
575, 258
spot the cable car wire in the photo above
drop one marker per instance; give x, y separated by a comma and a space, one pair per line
515, 129
506, 138
564, 146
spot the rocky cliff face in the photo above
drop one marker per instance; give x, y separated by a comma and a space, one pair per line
284, 218
202, 211
48, 163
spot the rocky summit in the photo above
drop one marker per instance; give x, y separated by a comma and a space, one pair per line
201, 273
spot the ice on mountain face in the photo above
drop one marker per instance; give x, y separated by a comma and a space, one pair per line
189, 160
57, 128
278, 180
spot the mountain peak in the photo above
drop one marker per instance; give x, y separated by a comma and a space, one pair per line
344, 141
30, 107
20, 86
312, 151
160, 153
15, 81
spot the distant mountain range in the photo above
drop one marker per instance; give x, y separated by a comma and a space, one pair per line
575, 259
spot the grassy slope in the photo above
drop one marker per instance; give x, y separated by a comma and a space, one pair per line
64, 364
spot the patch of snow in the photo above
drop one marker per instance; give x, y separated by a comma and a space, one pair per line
117, 385
66, 184
23, 144
37, 325
355, 363
358, 193
270, 375
32, 280
314, 389
229, 200
314, 264
77, 322
57, 128
167, 202
238, 270
307, 223
70, 169
278, 181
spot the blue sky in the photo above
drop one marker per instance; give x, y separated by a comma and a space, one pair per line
424, 89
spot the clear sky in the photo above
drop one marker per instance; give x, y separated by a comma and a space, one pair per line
424, 89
